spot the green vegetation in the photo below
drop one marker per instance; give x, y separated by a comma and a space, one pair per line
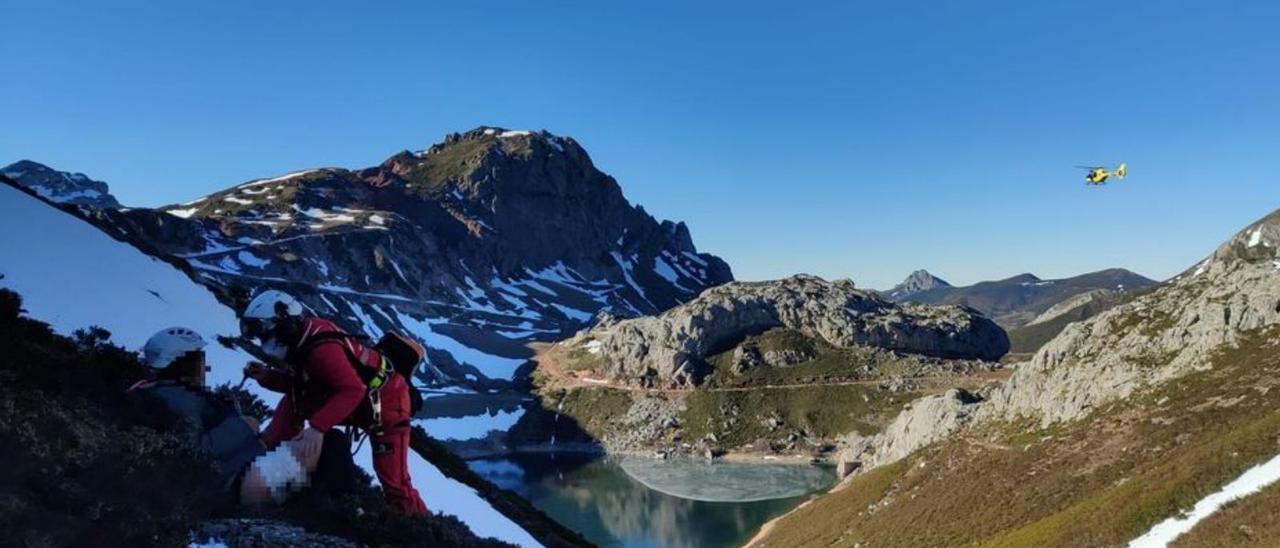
740, 417
785, 339
597, 410
86, 465
1251, 521
450, 163
579, 359
1099, 481
79, 467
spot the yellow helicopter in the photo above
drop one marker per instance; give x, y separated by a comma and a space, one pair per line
1098, 175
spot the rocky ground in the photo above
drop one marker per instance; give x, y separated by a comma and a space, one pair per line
261, 533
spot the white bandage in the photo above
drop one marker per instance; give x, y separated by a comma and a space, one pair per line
281, 471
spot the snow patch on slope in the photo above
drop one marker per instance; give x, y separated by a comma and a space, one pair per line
1251, 481
494, 367
72, 275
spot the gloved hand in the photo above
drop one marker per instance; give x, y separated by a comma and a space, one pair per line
256, 371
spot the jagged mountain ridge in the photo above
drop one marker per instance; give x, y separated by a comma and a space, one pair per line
476, 245
1016, 301
60, 186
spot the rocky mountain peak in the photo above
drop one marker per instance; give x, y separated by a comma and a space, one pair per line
60, 186
480, 244
916, 282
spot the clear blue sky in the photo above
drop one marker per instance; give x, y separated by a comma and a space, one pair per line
845, 139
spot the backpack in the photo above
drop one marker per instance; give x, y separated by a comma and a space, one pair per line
405, 355
397, 352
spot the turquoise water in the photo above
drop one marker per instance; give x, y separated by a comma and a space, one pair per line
598, 498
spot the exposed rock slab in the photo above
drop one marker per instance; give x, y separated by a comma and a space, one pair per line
673, 346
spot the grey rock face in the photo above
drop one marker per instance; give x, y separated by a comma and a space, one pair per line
916, 282
673, 345
60, 186
924, 421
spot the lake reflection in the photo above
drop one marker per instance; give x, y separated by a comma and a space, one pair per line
596, 497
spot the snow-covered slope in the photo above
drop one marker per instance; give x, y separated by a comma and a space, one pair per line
72, 275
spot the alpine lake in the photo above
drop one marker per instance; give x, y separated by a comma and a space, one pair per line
648, 502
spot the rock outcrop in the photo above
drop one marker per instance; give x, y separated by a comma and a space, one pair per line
673, 346
922, 422
60, 186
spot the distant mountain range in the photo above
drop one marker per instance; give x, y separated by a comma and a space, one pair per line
1019, 300
477, 245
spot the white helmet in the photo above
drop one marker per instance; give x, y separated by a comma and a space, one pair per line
265, 309
170, 344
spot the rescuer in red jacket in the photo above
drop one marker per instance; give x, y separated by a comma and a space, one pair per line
331, 379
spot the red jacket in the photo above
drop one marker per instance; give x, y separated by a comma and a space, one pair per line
330, 390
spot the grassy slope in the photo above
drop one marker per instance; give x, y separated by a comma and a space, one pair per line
1251, 521
450, 163
1098, 481
823, 412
